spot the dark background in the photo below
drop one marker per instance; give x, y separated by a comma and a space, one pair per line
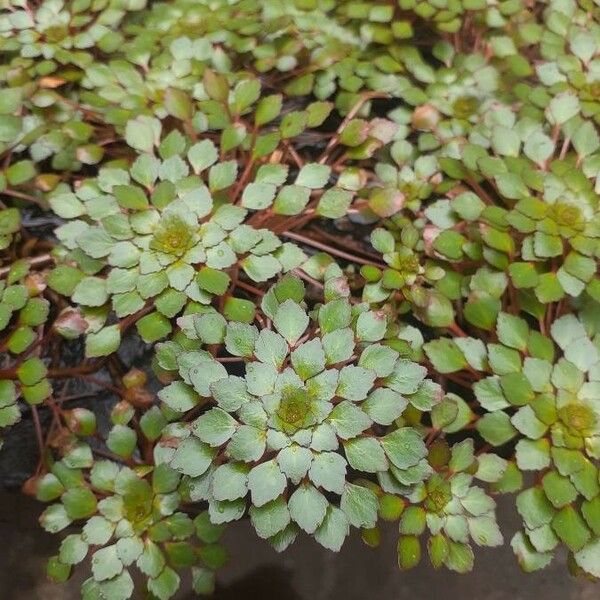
304, 572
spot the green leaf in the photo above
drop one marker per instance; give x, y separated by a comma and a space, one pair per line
505, 141
106, 563
586, 140
10, 221
90, 291
267, 109
534, 507
21, 172
384, 406
192, 457
178, 104
245, 94
67, 206
247, 443
308, 359
313, 175
271, 518
143, 133
294, 462
57, 571
588, 558
385, 202
291, 200
496, 428
563, 107
570, 528
79, 502
55, 518
365, 454
230, 481
490, 468
359, 505
129, 549
104, 342
512, 331
130, 196
179, 396
153, 327
31, 371
328, 471
202, 155
334, 203
538, 147
258, 196
73, 550
334, 315
445, 355
404, 447
407, 377
215, 427
533, 455
266, 482
517, 389
482, 311
354, 382
240, 339
210, 327
308, 507
371, 326
121, 440
378, 358
203, 581
291, 321
559, 490
529, 559
460, 557
333, 530
261, 268
98, 531
206, 530
222, 175
270, 348
348, 420
165, 585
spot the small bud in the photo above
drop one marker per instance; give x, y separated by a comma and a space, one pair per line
409, 552
425, 117
29, 488
390, 507
371, 537
134, 378
81, 421
46, 182
70, 324
51, 82
122, 413
139, 397
35, 283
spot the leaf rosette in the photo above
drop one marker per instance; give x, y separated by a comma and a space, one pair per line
128, 517
318, 395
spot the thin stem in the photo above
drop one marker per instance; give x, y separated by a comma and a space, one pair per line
22, 196
350, 257
37, 261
